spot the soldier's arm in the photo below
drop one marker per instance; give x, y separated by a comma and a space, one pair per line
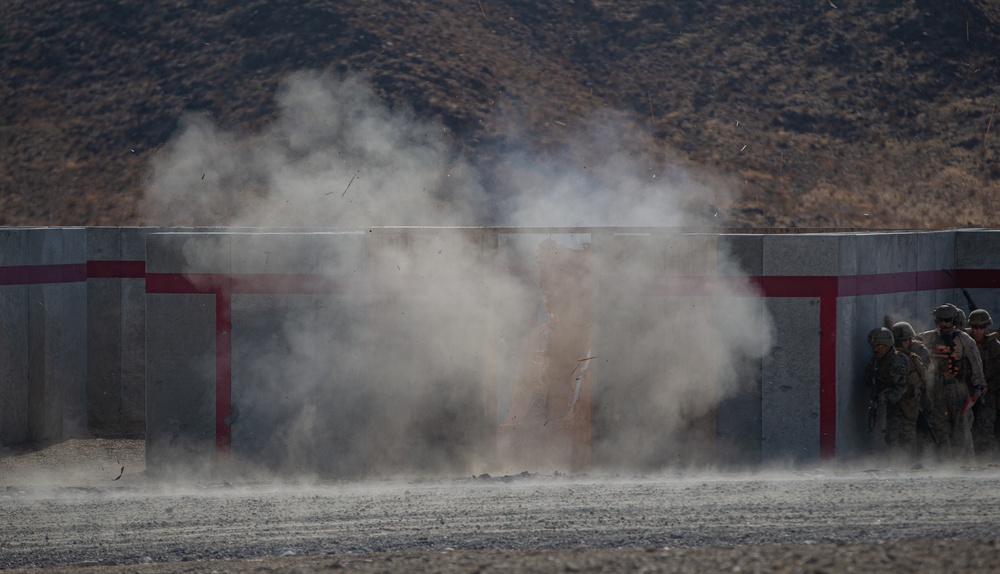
971, 350
991, 364
897, 380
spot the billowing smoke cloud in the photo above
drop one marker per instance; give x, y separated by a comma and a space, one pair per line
335, 157
464, 349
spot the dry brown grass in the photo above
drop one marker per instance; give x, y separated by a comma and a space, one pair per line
828, 115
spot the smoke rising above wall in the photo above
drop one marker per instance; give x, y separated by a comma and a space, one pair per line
336, 156
414, 369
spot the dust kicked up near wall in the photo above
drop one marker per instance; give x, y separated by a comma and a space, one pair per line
460, 348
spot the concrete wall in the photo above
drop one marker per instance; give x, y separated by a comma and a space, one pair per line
791, 372
43, 310
899, 276
116, 330
739, 412
100, 333
805, 304
658, 308
977, 255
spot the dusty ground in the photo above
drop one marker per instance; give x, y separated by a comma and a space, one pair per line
71, 506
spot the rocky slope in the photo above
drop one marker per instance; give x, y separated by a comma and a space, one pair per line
829, 113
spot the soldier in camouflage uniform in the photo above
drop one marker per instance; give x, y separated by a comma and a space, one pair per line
951, 349
984, 411
911, 347
886, 377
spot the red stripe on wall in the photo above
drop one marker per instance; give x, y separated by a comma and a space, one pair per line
190, 283
885, 283
43, 274
116, 269
223, 371
977, 278
828, 370
292, 284
792, 285
223, 286
826, 288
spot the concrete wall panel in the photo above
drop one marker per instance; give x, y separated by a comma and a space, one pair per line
104, 337
14, 339
657, 384
57, 317
766, 405
132, 413
180, 382
791, 375
741, 255
980, 249
805, 254
790, 383
298, 398
181, 346
116, 330
739, 410
428, 343
189, 252
977, 249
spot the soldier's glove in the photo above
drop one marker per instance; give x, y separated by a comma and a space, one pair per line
882, 395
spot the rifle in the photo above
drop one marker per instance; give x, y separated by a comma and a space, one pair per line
872, 413
968, 298
873, 403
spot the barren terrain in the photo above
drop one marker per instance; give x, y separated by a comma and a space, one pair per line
89, 504
826, 114
820, 114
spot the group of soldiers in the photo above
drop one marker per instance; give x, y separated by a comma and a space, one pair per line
933, 388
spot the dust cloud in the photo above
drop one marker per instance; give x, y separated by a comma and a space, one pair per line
477, 332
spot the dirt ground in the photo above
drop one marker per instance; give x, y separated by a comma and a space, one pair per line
88, 505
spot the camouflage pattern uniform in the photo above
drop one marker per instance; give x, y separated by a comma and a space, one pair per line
949, 348
911, 347
886, 376
984, 411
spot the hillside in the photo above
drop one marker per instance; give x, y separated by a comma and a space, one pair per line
825, 114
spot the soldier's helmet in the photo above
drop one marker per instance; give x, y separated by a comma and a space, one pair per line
880, 336
903, 330
980, 318
960, 319
946, 311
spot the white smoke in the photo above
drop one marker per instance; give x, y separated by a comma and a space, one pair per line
336, 156
425, 355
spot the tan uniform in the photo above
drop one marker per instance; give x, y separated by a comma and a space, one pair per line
887, 377
949, 393
984, 412
926, 441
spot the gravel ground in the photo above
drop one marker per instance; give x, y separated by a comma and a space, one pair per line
89, 503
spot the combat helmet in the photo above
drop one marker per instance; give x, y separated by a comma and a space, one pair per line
880, 336
946, 311
980, 318
903, 330
960, 319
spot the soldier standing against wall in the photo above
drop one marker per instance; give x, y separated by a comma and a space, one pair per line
919, 357
949, 347
886, 377
984, 411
